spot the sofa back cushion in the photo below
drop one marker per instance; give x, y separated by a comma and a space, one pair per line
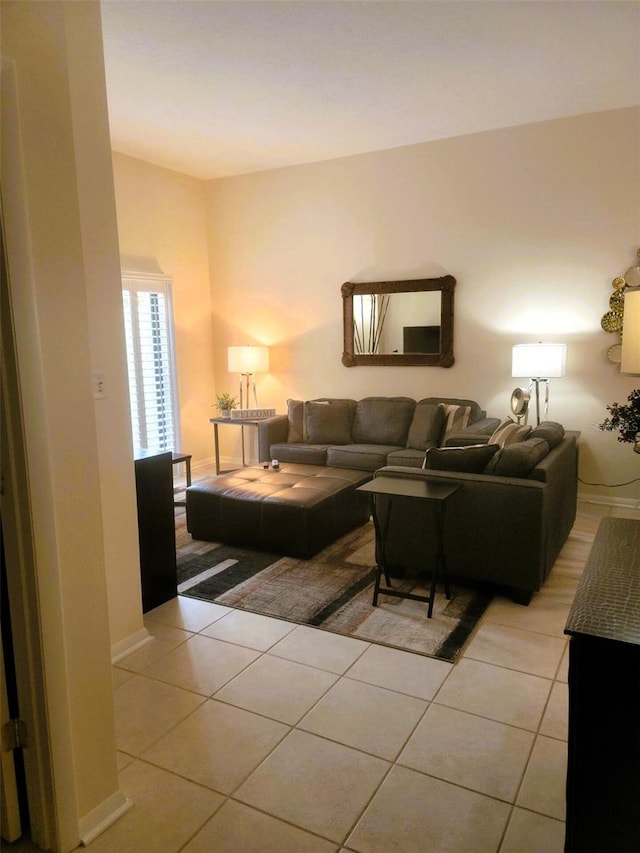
295, 416
383, 420
328, 421
472, 459
519, 459
427, 426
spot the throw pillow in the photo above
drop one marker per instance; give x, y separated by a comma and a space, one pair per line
457, 417
551, 431
471, 459
295, 414
509, 432
328, 423
518, 460
426, 427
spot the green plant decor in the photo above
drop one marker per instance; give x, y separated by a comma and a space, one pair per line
225, 402
625, 419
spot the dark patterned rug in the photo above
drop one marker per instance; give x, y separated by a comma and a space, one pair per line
332, 591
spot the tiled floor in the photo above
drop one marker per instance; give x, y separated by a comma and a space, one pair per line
243, 733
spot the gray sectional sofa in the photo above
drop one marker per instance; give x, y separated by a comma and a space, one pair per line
367, 434
505, 526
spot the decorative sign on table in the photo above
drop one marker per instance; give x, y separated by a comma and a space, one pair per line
251, 414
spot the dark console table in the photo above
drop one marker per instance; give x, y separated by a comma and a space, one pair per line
156, 527
603, 772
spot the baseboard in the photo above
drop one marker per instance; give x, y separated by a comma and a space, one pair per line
602, 500
103, 816
130, 644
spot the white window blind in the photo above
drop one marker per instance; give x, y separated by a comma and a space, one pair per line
148, 323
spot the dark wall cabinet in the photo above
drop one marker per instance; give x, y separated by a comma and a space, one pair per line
156, 528
603, 772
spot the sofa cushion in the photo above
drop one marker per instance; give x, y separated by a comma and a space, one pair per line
509, 432
383, 420
457, 417
361, 457
472, 459
295, 416
552, 432
328, 422
406, 456
518, 460
307, 454
427, 426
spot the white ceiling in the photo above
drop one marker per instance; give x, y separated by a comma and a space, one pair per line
213, 88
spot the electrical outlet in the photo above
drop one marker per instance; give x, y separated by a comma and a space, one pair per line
99, 389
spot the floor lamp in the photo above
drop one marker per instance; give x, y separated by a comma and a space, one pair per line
247, 361
540, 362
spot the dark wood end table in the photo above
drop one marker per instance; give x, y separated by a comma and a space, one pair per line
436, 493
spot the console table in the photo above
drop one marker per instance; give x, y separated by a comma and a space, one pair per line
603, 772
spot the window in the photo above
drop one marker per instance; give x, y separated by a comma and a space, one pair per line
148, 324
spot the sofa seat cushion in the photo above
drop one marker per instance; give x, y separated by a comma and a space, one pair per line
364, 457
407, 456
383, 420
519, 459
469, 460
305, 454
427, 427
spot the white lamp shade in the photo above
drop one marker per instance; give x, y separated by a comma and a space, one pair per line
539, 361
248, 359
631, 333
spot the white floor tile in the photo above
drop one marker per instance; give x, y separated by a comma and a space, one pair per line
524, 651
503, 695
533, 833
321, 649
277, 688
249, 629
165, 638
316, 784
364, 716
202, 664
236, 828
486, 756
555, 722
415, 675
544, 786
412, 812
191, 614
217, 746
146, 709
167, 811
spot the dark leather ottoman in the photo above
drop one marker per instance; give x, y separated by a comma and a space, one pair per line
296, 510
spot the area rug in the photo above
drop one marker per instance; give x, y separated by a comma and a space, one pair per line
331, 591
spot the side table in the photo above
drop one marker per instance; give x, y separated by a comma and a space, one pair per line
434, 493
233, 423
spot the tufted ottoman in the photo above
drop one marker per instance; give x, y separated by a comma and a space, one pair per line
295, 510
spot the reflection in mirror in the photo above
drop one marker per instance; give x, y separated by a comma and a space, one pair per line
399, 322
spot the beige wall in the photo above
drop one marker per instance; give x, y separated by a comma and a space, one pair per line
162, 225
62, 253
534, 222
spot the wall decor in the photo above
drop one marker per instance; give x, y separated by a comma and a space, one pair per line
398, 323
613, 320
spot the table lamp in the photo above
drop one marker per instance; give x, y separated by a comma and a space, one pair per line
540, 362
247, 361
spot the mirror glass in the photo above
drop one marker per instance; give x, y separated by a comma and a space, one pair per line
399, 323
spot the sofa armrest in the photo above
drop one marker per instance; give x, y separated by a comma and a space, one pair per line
271, 431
